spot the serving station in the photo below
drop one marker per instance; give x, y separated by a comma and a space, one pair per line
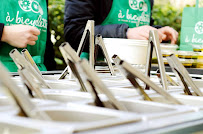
123, 97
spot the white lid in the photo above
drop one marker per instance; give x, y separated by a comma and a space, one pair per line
121, 41
186, 60
197, 46
168, 45
185, 52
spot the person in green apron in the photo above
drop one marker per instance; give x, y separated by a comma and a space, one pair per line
113, 19
24, 25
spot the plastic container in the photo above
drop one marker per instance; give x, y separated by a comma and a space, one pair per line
195, 57
187, 62
185, 54
166, 49
166, 53
197, 48
165, 61
132, 51
200, 60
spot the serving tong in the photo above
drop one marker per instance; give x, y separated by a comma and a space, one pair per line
132, 74
27, 107
183, 76
66, 70
100, 43
31, 78
169, 79
89, 77
132, 80
93, 47
154, 43
28, 57
70, 58
88, 32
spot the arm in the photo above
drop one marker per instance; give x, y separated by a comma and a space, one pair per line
77, 12
1, 30
49, 54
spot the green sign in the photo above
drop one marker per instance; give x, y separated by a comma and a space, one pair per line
191, 27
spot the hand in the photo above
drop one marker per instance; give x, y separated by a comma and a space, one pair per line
170, 34
142, 33
20, 35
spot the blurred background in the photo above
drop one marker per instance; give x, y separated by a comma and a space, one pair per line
165, 13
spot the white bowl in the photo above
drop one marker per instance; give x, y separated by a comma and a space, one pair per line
132, 51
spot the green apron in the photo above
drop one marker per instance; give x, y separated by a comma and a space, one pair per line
26, 12
135, 13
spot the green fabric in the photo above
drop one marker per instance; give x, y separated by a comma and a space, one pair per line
132, 12
85, 55
26, 12
191, 27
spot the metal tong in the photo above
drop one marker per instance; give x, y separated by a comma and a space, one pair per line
90, 75
65, 72
154, 42
169, 79
31, 84
183, 76
76, 62
88, 33
100, 43
70, 58
26, 77
132, 74
132, 79
23, 101
30, 76
28, 57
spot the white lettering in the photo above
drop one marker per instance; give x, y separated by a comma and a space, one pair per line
18, 19
120, 15
8, 18
187, 39
40, 22
143, 18
196, 40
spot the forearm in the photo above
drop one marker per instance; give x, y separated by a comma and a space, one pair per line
74, 33
112, 31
